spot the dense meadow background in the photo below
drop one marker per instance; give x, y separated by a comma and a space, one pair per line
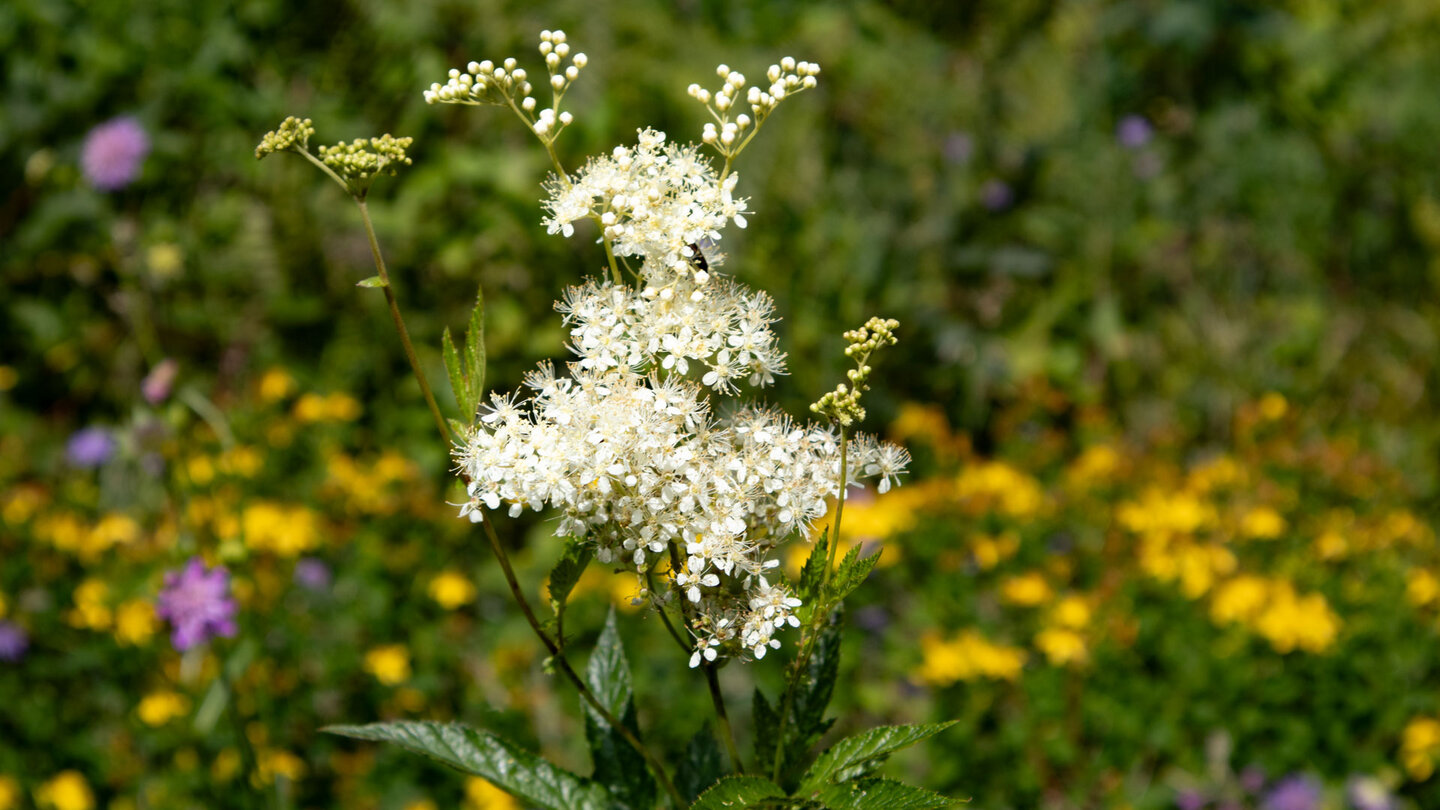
1166, 272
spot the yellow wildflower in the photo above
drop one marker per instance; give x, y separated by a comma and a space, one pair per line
8, 378
1420, 747
389, 664
1072, 612
68, 790
422, 804
1273, 406
967, 657
480, 794
273, 762
158, 708
1219, 472
1095, 465
113, 530
451, 589
1331, 545
242, 461
3, 606
9, 793
1160, 512
200, 470
135, 622
1262, 523
1026, 590
1239, 600
226, 766
990, 550
998, 487
1062, 646
1294, 622
92, 610
284, 530
1421, 587
276, 384
21, 503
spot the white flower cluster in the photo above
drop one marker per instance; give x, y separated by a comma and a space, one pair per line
659, 201
727, 331
625, 446
485, 83
786, 79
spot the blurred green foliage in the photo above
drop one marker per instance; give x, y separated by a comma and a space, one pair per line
964, 168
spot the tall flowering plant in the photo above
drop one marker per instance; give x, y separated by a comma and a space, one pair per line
648, 471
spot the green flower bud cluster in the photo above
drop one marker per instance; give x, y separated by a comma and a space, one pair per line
842, 405
294, 133
362, 159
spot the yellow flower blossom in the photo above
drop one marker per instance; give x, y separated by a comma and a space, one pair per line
242, 461
9, 377
389, 664
1292, 621
226, 766
1262, 523
421, 804
276, 384
67, 790
1072, 612
92, 609
3, 606
135, 622
1026, 590
998, 487
1421, 587
1219, 472
21, 503
451, 589
1095, 465
200, 470
9, 793
1239, 600
1331, 545
158, 708
113, 530
273, 763
967, 657
1061, 646
284, 530
1159, 512
1420, 747
1273, 406
480, 794
990, 550
335, 407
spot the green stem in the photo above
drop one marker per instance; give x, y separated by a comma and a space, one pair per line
247, 751
610, 257
400, 323
822, 609
558, 656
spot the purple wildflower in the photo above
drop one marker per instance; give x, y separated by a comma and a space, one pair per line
996, 195
312, 574
113, 152
1252, 779
13, 642
1133, 131
1294, 793
1190, 800
197, 603
959, 147
157, 384
1369, 793
90, 447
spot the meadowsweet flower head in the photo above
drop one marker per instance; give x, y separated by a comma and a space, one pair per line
363, 159
196, 602
293, 134
113, 152
13, 642
90, 447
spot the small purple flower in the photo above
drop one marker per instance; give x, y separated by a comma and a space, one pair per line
1190, 800
113, 153
90, 447
1294, 793
157, 384
1133, 131
1369, 793
13, 642
996, 195
312, 574
1252, 779
197, 603
959, 147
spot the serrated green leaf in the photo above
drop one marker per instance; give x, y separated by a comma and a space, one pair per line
701, 766
734, 792
373, 281
475, 350
880, 794
852, 571
807, 590
458, 385
849, 757
484, 754
619, 766
567, 572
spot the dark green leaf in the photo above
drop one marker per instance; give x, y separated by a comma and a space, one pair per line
880, 794
850, 573
737, 792
483, 754
373, 281
566, 573
458, 385
812, 693
701, 766
808, 588
617, 764
475, 350
853, 755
